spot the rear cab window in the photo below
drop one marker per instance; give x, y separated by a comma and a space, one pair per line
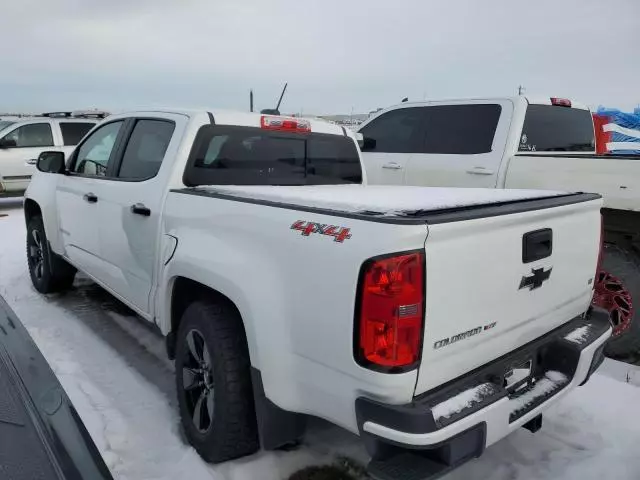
460, 129
229, 155
552, 128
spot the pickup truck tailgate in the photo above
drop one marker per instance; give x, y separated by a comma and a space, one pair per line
485, 296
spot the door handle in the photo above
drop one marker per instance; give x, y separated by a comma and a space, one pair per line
90, 197
140, 209
392, 166
480, 171
32, 161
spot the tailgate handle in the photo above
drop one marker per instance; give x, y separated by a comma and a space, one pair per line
537, 245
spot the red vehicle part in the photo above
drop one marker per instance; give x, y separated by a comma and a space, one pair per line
611, 294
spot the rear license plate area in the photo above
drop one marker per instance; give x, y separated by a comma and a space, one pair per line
518, 375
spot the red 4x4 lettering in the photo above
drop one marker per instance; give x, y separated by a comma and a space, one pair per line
339, 234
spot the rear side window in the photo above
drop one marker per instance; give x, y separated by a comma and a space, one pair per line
72, 132
145, 150
252, 156
397, 131
551, 128
32, 135
460, 129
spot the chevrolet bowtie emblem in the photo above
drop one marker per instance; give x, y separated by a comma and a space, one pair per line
536, 279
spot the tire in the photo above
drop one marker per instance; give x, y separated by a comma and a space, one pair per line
219, 374
624, 265
49, 273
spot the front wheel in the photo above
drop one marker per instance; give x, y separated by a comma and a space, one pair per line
49, 273
213, 382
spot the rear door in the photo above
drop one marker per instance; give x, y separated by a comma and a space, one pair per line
494, 284
462, 144
394, 136
130, 207
22, 145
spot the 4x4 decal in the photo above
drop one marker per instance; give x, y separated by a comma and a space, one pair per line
339, 234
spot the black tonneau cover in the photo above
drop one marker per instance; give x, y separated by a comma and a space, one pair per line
416, 217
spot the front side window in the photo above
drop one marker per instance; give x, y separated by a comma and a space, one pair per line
93, 155
73, 132
145, 150
31, 135
397, 131
553, 128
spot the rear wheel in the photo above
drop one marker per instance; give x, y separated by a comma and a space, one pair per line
49, 273
213, 382
617, 290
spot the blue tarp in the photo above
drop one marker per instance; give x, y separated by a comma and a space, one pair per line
628, 121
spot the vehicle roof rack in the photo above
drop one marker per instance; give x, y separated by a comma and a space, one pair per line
77, 114
56, 114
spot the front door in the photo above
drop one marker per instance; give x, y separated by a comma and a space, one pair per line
131, 207
78, 197
19, 151
393, 137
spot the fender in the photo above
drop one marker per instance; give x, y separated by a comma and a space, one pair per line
239, 273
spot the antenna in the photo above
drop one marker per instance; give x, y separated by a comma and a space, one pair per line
520, 89
275, 111
281, 95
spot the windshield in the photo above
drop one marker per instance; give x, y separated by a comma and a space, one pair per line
252, 156
5, 123
549, 128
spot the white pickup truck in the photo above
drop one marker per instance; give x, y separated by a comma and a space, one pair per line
430, 321
521, 142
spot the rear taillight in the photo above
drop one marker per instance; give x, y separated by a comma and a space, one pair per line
287, 124
390, 313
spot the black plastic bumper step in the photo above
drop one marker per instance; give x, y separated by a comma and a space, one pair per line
407, 466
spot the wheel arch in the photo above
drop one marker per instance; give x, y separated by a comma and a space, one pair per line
31, 209
622, 227
183, 292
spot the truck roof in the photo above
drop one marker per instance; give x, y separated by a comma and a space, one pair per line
237, 118
530, 99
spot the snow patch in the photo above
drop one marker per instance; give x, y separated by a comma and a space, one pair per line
552, 381
463, 400
579, 335
387, 200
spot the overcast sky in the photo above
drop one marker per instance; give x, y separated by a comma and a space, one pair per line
336, 55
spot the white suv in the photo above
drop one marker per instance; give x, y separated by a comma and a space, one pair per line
22, 140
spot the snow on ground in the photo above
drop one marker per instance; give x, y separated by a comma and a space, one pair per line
114, 369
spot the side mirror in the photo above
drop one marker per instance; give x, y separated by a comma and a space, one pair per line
7, 143
368, 144
51, 162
